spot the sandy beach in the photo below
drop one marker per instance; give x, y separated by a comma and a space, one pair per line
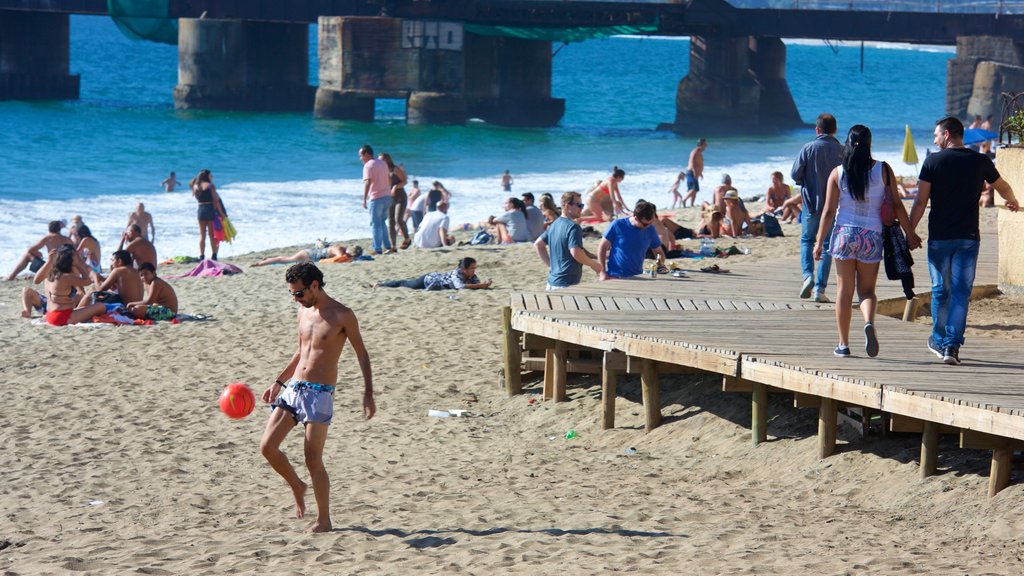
116, 459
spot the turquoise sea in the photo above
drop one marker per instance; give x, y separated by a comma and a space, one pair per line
288, 178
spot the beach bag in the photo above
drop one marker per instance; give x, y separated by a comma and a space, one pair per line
482, 237
888, 213
772, 228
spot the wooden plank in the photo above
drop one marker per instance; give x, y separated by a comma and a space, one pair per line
812, 384
651, 395
981, 441
554, 302
733, 384
806, 400
549, 374
596, 303
955, 415
900, 423
572, 366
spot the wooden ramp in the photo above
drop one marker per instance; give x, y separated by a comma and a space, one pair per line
750, 327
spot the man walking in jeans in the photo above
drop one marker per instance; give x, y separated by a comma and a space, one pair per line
377, 189
953, 179
813, 165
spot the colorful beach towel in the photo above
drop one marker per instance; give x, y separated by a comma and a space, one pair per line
210, 268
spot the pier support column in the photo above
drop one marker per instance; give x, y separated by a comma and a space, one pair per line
242, 65
508, 81
34, 56
735, 84
984, 68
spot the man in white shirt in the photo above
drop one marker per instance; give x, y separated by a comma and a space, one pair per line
433, 231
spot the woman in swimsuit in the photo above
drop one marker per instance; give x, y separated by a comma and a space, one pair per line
205, 194
61, 283
548, 207
396, 213
89, 249
604, 200
318, 252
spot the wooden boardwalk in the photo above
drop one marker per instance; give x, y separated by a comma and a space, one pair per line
750, 327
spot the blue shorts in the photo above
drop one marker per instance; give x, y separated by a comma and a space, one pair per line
856, 243
691, 181
308, 402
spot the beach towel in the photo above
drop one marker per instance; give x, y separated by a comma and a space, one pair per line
218, 228
210, 268
229, 230
338, 259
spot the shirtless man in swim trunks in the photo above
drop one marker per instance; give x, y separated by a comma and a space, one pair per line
144, 220
122, 284
45, 245
695, 172
161, 303
303, 392
142, 250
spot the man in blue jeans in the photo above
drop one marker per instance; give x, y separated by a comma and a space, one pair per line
811, 169
377, 190
953, 179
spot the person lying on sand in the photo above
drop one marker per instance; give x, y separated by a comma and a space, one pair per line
321, 250
463, 277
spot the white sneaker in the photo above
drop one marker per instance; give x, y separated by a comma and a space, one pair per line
805, 290
821, 298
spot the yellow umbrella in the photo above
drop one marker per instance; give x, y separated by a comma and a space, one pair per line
909, 152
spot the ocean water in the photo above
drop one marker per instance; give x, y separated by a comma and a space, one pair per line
289, 178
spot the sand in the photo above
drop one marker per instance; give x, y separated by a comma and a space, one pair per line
117, 460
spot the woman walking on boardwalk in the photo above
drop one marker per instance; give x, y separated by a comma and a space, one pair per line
856, 191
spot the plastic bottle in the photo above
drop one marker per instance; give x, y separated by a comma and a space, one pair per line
707, 246
570, 434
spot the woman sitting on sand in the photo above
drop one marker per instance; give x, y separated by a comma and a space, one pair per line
89, 248
604, 200
320, 251
549, 209
463, 277
62, 276
511, 226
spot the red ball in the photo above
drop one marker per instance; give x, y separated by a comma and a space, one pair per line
237, 400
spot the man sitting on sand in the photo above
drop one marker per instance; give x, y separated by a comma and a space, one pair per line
142, 250
621, 251
320, 251
737, 219
160, 303
47, 244
433, 230
303, 393
122, 285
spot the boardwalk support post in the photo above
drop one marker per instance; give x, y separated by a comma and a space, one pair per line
929, 449
651, 394
999, 474
827, 415
608, 383
513, 354
910, 310
559, 357
759, 414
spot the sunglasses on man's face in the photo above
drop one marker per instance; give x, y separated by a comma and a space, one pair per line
580, 205
298, 293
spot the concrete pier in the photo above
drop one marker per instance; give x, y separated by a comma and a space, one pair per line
735, 83
34, 56
984, 68
508, 81
242, 65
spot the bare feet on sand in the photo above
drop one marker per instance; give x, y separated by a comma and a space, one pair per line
300, 500
26, 314
319, 526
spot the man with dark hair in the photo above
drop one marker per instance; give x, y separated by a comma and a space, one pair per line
695, 171
626, 242
122, 285
811, 169
953, 179
534, 216
161, 303
565, 239
303, 393
142, 250
33, 257
377, 192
